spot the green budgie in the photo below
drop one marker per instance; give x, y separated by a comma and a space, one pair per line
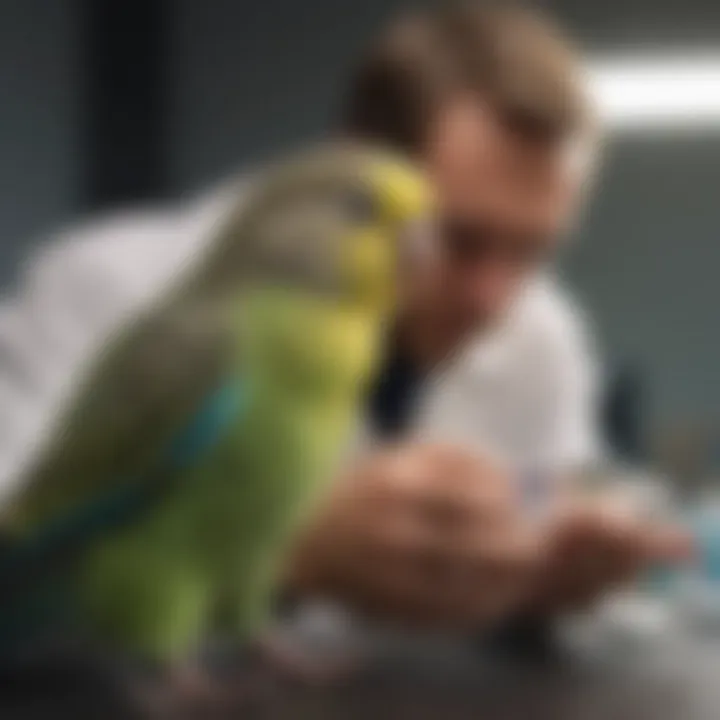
208, 425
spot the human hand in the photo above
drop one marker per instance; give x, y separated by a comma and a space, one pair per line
593, 547
426, 535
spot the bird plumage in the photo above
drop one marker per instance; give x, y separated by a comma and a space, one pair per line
208, 426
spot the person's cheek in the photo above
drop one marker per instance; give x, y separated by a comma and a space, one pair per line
486, 290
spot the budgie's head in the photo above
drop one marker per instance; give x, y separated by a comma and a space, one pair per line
324, 240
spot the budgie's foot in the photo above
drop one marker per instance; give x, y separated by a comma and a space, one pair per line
298, 664
184, 693
264, 676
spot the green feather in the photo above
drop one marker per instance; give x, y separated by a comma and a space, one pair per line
269, 302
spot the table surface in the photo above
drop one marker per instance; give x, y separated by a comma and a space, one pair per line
591, 672
589, 675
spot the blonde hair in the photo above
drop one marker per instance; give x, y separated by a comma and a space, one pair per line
517, 59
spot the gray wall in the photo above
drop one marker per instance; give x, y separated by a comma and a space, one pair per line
632, 23
253, 77
38, 123
647, 266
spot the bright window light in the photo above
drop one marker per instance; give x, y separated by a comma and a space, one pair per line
641, 92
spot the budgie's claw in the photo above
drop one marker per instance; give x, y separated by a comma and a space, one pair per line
185, 693
300, 665
274, 667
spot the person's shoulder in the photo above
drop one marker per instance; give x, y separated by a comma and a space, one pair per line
550, 319
131, 251
546, 334
109, 243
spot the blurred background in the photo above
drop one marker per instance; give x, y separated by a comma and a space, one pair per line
108, 103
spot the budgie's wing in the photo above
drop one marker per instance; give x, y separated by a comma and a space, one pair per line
144, 389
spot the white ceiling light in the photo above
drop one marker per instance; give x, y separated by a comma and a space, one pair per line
642, 92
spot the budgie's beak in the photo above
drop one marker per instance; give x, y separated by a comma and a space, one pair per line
409, 206
406, 192
397, 236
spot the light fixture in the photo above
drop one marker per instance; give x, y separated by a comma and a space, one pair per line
664, 92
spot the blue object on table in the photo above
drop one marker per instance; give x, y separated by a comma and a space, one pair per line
705, 525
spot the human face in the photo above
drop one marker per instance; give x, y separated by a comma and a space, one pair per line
504, 202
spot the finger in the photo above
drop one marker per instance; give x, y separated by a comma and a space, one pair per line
485, 542
597, 530
406, 597
444, 503
471, 578
668, 545
511, 552
590, 554
615, 559
505, 574
480, 584
395, 482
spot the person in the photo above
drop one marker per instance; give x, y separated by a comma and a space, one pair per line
490, 371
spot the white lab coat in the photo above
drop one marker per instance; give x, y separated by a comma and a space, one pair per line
527, 392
